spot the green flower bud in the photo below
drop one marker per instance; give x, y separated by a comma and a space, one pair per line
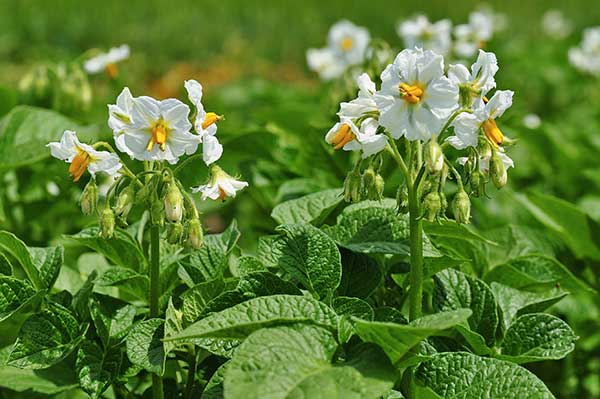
432, 205
476, 183
107, 223
195, 236
175, 233
352, 186
434, 157
377, 192
89, 198
368, 179
173, 203
125, 202
402, 199
498, 171
461, 207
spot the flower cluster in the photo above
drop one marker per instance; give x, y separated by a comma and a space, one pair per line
468, 38
419, 103
153, 131
346, 46
586, 57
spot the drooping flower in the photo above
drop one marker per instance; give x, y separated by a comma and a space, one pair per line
467, 125
220, 185
477, 83
83, 156
415, 97
357, 129
586, 57
205, 124
474, 35
555, 25
419, 32
107, 61
346, 46
151, 130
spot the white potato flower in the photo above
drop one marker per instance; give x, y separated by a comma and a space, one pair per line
357, 129
555, 25
205, 124
480, 80
346, 46
474, 35
467, 125
586, 57
220, 185
83, 156
419, 32
107, 61
151, 130
415, 97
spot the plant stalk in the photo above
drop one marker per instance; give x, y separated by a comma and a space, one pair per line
415, 298
154, 274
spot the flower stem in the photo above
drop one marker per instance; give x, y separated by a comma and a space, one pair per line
154, 274
415, 298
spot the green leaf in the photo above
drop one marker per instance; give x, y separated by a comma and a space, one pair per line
229, 326
250, 264
48, 261
127, 279
145, 347
25, 131
112, 318
361, 275
397, 339
252, 285
122, 250
455, 290
308, 255
210, 261
46, 338
346, 308
573, 225
463, 375
451, 229
197, 298
5, 266
17, 248
535, 272
51, 381
375, 227
535, 337
96, 368
296, 362
173, 325
214, 386
515, 302
312, 208
15, 294
82, 297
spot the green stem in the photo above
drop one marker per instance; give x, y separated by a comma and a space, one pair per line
157, 386
415, 299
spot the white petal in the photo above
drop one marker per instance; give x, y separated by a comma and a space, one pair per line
458, 73
500, 102
466, 129
211, 149
194, 91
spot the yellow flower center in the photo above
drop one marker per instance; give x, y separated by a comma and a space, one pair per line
210, 118
343, 136
79, 164
111, 70
346, 44
411, 93
160, 133
492, 132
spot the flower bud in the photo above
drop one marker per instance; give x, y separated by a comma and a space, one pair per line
352, 186
173, 203
402, 200
157, 211
89, 198
461, 207
125, 202
175, 233
498, 171
377, 192
107, 223
434, 157
195, 236
476, 183
432, 205
368, 179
